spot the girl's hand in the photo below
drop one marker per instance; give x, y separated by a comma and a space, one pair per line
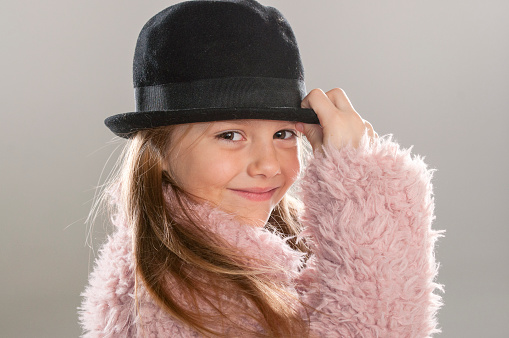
339, 122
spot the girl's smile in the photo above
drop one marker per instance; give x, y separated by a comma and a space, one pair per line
256, 194
242, 166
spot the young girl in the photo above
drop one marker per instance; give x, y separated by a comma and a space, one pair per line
209, 241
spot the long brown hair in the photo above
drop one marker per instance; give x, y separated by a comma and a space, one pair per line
202, 266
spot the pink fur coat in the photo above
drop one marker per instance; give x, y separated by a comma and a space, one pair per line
368, 214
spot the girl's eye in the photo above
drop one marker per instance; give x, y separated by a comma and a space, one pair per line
284, 134
230, 136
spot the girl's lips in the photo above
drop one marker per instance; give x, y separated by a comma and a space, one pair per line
255, 194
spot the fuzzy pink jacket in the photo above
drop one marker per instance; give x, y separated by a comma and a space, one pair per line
368, 214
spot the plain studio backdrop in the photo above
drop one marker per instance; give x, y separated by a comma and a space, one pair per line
433, 73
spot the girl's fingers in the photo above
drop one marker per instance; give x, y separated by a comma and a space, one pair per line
339, 122
314, 134
321, 104
339, 98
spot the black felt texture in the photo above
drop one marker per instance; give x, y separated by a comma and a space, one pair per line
215, 41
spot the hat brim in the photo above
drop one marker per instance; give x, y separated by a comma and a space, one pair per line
126, 124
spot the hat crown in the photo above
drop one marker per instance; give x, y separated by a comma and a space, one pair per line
208, 39
215, 60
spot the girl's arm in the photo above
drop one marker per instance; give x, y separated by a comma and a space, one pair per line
369, 209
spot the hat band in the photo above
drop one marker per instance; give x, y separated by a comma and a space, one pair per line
229, 92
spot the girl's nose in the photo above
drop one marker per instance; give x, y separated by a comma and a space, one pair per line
264, 161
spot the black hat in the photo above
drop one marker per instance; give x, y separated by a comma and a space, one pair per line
209, 60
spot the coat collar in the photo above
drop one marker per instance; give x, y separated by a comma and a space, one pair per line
257, 244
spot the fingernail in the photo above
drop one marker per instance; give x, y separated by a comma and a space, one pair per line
300, 127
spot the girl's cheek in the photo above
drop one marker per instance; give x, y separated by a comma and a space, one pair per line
226, 167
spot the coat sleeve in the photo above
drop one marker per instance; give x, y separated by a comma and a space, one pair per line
368, 214
108, 300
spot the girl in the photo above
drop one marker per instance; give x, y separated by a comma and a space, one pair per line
209, 241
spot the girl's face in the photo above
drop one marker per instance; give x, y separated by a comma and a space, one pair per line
243, 166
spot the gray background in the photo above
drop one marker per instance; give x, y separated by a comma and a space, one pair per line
434, 73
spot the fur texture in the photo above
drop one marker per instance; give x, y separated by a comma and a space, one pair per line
368, 214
